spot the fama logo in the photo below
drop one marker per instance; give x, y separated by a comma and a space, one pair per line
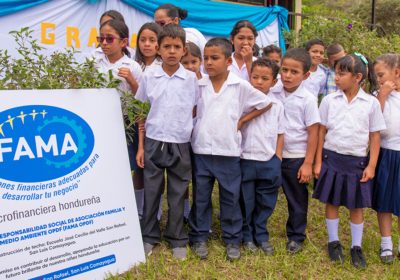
41, 143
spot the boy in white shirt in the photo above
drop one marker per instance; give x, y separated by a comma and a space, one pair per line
317, 80
216, 143
300, 141
172, 92
261, 161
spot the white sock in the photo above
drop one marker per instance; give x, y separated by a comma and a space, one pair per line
210, 231
333, 229
160, 207
386, 243
139, 195
356, 234
186, 210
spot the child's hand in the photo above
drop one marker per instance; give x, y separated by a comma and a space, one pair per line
141, 127
239, 125
247, 54
125, 72
140, 158
317, 169
387, 88
368, 174
305, 173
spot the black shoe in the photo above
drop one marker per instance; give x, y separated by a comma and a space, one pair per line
386, 259
232, 252
357, 257
200, 249
293, 247
250, 247
213, 235
267, 248
335, 252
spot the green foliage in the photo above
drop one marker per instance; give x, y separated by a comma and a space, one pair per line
387, 14
59, 71
352, 34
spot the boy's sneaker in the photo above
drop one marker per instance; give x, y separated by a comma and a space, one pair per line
389, 259
200, 249
267, 248
293, 247
357, 257
232, 251
179, 253
335, 252
148, 248
250, 247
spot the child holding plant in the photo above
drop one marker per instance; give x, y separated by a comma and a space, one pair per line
172, 93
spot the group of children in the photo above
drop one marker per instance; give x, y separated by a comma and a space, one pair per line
219, 113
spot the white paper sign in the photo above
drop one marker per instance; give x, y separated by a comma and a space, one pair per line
67, 204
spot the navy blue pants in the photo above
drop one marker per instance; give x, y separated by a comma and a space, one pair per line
226, 170
297, 197
258, 195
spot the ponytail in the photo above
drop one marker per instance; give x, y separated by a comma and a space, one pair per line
373, 83
173, 12
126, 51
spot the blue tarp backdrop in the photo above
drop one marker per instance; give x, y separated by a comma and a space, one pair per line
209, 17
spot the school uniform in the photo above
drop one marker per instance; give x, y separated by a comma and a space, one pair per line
386, 184
344, 156
240, 72
216, 144
261, 171
316, 82
98, 51
168, 128
104, 65
301, 111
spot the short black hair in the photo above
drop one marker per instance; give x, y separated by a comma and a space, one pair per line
223, 43
334, 48
266, 62
272, 49
314, 42
256, 50
300, 55
172, 30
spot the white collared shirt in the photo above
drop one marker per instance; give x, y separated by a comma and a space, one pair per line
349, 124
240, 72
104, 65
316, 83
172, 100
390, 137
218, 114
260, 135
98, 51
153, 65
301, 111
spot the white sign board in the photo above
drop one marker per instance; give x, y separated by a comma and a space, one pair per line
67, 204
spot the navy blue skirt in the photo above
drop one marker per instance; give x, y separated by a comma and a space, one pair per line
339, 181
386, 184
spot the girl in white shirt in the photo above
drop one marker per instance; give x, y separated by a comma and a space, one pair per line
386, 185
109, 15
243, 37
148, 58
350, 119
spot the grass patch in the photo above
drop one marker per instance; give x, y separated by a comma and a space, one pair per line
311, 263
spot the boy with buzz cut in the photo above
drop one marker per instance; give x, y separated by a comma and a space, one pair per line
334, 52
300, 141
261, 160
317, 79
226, 102
172, 92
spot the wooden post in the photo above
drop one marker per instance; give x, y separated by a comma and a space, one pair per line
373, 15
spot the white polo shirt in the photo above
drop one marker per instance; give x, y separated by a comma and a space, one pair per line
260, 135
195, 36
172, 100
316, 83
98, 51
240, 72
104, 65
349, 124
301, 111
390, 137
156, 63
215, 131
